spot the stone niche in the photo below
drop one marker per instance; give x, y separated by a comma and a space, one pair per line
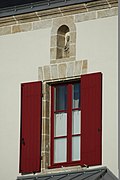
63, 40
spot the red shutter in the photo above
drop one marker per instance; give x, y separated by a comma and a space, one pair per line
91, 117
30, 140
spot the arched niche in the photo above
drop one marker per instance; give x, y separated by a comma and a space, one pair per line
63, 40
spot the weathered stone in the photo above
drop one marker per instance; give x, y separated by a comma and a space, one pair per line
72, 49
6, 21
95, 5
40, 73
85, 16
5, 30
59, 52
28, 17
68, 21
53, 53
75, 9
54, 71
107, 13
72, 37
63, 60
70, 69
47, 75
45, 109
78, 68
42, 24
22, 28
113, 3
49, 14
62, 70
45, 126
60, 40
45, 91
84, 66
53, 42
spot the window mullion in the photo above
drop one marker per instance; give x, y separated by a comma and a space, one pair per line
69, 123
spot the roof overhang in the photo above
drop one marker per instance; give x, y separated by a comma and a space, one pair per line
21, 8
90, 174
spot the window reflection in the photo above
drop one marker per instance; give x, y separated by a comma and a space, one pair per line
61, 97
76, 95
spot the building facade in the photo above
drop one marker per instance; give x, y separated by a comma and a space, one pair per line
64, 57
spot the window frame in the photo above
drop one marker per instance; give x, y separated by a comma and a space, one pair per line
69, 109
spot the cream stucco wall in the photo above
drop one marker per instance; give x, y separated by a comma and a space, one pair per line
97, 42
20, 56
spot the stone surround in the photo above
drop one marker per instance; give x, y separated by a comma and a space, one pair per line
48, 74
62, 71
44, 19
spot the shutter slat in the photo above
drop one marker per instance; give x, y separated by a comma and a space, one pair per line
91, 114
31, 124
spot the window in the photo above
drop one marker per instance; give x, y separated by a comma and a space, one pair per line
66, 115
75, 121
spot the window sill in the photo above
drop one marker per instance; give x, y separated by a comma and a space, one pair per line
66, 165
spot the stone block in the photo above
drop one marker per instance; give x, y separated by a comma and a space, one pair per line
40, 73
72, 37
53, 53
72, 50
85, 16
78, 68
22, 28
107, 13
62, 70
5, 30
68, 21
54, 71
47, 75
70, 69
84, 66
53, 42
42, 24
46, 92
45, 108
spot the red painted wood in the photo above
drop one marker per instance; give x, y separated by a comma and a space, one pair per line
91, 114
69, 123
31, 124
52, 126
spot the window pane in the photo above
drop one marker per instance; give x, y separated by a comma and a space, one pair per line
76, 148
60, 150
60, 98
76, 95
60, 124
76, 122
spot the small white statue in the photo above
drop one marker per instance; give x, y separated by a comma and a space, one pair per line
67, 41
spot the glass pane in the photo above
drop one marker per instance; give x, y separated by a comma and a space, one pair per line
76, 148
60, 149
76, 95
76, 122
60, 124
60, 97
